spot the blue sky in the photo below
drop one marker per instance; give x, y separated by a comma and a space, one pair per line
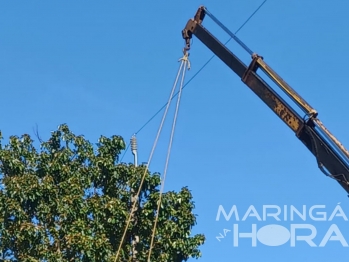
105, 67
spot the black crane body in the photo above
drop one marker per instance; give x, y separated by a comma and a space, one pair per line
332, 158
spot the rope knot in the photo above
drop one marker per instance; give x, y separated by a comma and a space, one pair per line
185, 58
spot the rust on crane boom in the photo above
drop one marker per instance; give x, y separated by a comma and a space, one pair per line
331, 156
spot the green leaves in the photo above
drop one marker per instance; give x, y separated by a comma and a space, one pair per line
69, 201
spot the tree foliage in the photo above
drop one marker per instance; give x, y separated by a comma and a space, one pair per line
69, 201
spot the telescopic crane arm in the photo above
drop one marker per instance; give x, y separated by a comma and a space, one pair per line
331, 156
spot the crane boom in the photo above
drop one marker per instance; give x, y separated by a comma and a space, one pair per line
332, 158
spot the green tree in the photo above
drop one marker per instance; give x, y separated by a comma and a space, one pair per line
70, 200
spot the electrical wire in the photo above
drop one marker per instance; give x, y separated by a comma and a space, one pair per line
229, 32
126, 149
202, 67
172, 96
191, 79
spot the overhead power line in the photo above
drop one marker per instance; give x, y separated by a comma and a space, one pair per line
208, 61
191, 79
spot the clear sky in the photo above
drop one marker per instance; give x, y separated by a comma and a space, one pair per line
105, 67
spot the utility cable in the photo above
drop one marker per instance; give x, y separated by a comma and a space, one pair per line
172, 96
202, 67
123, 155
248, 50
148, 163
191, 79
186, 63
